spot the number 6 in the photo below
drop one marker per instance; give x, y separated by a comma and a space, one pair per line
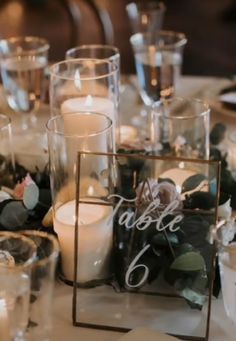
133, 267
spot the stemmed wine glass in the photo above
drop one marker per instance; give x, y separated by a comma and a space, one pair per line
23, 61
146, 16
158, 60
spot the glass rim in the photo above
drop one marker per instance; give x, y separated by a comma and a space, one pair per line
55, 245
29, 261
5, 121
113, 48
158, 6
87, 113
202, 113
80, 61
182, 40
43, 48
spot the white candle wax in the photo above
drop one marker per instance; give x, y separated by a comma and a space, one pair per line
90, 103
178, 175
128, 134
95, 240
4, 322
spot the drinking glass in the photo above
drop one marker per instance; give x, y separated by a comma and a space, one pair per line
158, 59
23, 61
146, 16
180, 128
42, 284
67, 135
227, 263
90, 85
17, 254
7, 162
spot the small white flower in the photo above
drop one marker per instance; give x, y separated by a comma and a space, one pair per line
164, 190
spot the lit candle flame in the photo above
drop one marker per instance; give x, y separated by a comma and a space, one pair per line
77, 79
89, 101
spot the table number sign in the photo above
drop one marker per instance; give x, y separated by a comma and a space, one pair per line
154, 244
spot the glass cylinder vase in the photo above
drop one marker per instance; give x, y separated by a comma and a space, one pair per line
69, 134
85, 85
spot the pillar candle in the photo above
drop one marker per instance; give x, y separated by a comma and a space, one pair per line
95, 239
90, 103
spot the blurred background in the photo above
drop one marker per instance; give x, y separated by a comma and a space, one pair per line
209, 25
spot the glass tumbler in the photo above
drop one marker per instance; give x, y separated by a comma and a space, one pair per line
146, 16
17, 254
7, 161
23, 62
42, 284
69, 134
158, 59
180, 128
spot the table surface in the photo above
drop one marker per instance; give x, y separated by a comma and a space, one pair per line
207, 88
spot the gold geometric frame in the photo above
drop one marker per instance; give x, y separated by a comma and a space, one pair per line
93, 324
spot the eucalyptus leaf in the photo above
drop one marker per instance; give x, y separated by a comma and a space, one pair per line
192, 182
190, 261
161, 240
31, 196
13, 214
200, 200
217, 133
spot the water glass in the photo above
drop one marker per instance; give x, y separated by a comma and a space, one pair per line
146, 16
227, 263
17, 254
7, 162
23, 61
158, 59
180, 128
42, 284
69, 134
